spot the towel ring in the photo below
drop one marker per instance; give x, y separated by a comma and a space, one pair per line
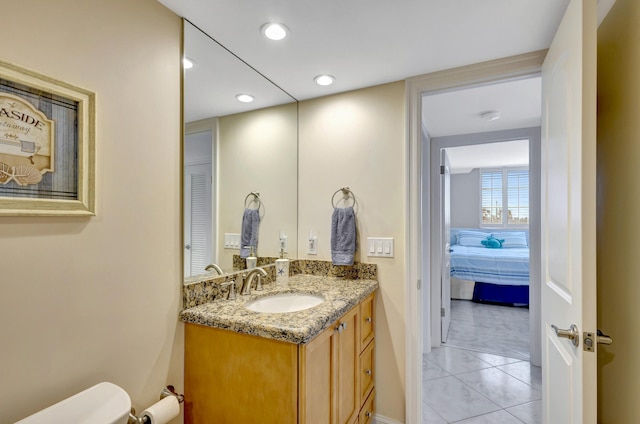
255, 199
346, 193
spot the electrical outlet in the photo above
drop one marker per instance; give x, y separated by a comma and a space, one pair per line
283, 243
313, 246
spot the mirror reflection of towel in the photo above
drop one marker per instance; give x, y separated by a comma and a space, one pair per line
343, 236
249, 232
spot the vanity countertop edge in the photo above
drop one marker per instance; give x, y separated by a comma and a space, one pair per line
294, 327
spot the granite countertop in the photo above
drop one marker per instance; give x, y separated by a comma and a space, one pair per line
295, 327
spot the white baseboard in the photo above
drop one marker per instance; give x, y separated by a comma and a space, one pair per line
381, 419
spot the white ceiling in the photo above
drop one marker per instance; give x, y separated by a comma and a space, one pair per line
369, 42
210, 87
490, 155
458, 112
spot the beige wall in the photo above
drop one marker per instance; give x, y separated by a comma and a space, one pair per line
618, 212
85, 300
258, 152
357, 139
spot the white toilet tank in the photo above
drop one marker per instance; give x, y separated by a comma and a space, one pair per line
104, 403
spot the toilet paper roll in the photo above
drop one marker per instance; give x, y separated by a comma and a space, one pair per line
163, 411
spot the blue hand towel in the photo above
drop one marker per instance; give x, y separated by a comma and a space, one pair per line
343, 236
249, 231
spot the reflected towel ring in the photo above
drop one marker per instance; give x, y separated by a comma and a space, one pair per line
255, 199
346, 193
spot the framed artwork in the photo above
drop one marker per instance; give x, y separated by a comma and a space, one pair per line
47, 145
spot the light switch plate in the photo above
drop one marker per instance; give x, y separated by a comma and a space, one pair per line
380, 247
231, 241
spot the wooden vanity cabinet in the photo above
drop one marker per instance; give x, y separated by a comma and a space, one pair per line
238, 378
337, 370
329, 374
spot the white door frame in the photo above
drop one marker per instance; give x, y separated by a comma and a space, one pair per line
443, 212
417, 220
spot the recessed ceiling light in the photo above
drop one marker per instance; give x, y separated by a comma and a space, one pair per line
324, 79
490, 116
187, 63
244, 98
275, 31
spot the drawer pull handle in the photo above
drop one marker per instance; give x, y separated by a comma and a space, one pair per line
341, 327
368, 372
368, 414
368, 319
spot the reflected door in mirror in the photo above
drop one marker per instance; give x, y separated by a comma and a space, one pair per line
198, 248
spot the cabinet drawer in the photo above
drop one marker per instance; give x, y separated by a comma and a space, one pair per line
368, 410
367, 371
367, 320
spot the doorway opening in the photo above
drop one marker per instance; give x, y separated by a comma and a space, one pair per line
484, 224
496, 169
485, 284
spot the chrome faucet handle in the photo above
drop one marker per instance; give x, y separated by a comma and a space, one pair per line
232, 289
258, 282
246, 284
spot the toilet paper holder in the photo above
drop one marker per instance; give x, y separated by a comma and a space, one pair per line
166, 392
171, 391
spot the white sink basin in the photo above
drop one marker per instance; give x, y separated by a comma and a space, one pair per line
285, 302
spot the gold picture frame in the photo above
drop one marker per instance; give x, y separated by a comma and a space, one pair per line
47, 145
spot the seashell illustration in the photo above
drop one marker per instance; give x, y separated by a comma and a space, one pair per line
5, 173
26, 174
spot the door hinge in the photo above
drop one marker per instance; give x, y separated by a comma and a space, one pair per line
441, 169
419, 284
442, 312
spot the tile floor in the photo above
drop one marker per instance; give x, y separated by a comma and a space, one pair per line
500, 330
465, 385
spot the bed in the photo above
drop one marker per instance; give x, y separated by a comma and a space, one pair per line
500, 275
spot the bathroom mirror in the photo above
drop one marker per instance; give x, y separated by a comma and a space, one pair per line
233, 149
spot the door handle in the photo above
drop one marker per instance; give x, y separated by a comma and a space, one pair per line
571, 334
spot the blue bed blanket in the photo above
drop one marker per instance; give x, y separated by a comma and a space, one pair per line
496, 266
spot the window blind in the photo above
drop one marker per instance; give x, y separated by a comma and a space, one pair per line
502, 187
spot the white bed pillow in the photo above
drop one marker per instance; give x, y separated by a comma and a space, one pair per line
512, 238
471, 238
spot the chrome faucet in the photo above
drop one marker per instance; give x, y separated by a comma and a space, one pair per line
214, 266
255, 272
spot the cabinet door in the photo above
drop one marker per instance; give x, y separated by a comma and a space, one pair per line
316, 378
235, 378
347, 382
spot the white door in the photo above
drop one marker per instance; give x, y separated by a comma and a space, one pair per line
445, 226
568, 216
197, 219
